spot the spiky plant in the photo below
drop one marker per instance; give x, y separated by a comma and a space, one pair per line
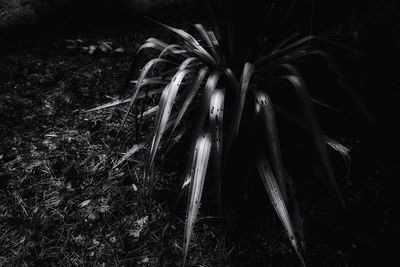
215, 73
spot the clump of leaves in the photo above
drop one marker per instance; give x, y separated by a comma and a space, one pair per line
213, 74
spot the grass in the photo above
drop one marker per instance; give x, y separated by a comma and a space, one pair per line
62, 203
49, 209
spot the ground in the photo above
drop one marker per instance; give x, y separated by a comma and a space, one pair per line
65, 199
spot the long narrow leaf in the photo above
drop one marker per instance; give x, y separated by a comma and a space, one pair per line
150, 43
187, 63
309, 115
142, 76
216, 124
280, 51
173, 50
192, 93
342, 150
266, 112
123, 101
191, 41
343, 82
275, 196
240, 100
233, 81
151, 81
153, 43
166, 103
334, 144
209, 88
213, 38
198, 173
110, 104
294, 209
244, 85
206, 37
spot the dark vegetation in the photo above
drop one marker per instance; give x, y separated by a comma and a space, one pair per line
62, 201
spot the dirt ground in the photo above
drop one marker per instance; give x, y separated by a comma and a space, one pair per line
63, 200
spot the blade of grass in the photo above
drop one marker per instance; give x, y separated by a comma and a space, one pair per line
152, 81
110, 104
149, 111
123, 101
129, 154
342, 150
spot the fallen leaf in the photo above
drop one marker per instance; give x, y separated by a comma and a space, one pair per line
85, 203
119, 50
92, 49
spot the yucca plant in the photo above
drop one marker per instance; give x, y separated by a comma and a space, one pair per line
222, 76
